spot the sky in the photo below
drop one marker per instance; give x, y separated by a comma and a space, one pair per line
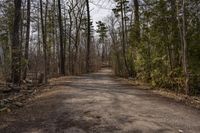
99, 9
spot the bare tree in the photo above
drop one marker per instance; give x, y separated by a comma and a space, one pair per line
16, 59
27, 38
62, 53
44, 41
88, 37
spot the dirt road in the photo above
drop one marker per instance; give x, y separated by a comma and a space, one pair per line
98, 103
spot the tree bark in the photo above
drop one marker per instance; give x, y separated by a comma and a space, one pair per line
182, 31
88, 38
48, 52
123, 37
44, 42
185, 60
16, 59
62, 53
137, 21
70, 43
27, 38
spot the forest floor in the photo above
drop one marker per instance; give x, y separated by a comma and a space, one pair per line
100, 103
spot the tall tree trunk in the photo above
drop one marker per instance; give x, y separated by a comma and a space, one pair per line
38, 39
173, 32
62, 53
185, 60
149, 59
38, 36
46, 32
16, 53
123, 36
65, 33
70, 43
88, 38
44, 42
55, 46
27, 38
182, 31
137, 21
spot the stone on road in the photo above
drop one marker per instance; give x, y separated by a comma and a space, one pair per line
99, 103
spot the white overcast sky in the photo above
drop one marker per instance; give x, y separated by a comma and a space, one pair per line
100, 9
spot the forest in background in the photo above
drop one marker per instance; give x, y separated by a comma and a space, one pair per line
46, 38
156, 41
